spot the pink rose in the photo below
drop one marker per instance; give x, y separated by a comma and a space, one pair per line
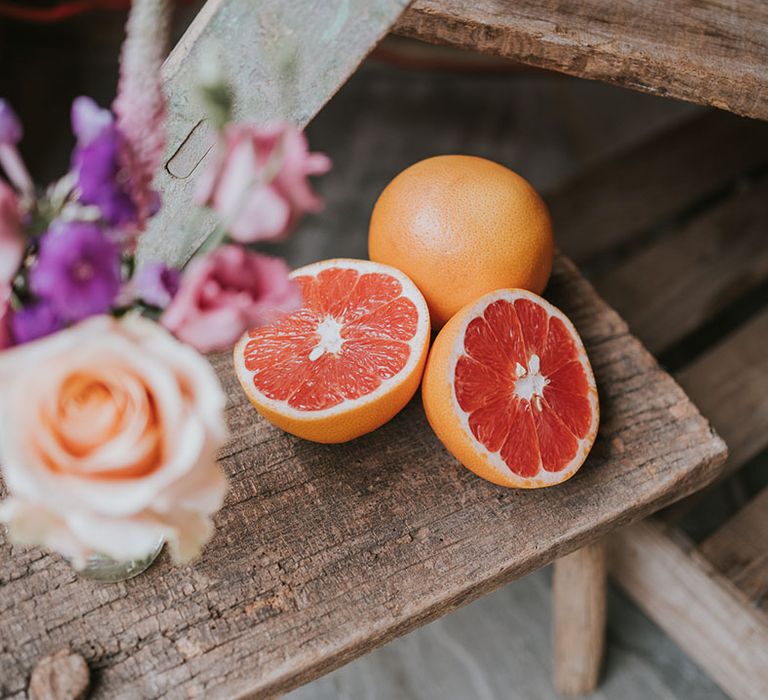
257, 181
225, 293
6, 337
108, 440
11, 240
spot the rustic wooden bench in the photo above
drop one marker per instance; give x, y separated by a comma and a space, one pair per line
323, 553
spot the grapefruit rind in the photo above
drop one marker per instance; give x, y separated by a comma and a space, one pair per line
353, 417
451, 423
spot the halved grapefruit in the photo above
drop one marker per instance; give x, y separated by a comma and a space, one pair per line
347, 361
509, 391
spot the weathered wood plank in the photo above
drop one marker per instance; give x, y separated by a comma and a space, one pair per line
671, 287
325, 552
701, 610
729, 384
650, 184
739, 549
708, 52
284, 59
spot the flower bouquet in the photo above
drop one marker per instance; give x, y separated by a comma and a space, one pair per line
110, 418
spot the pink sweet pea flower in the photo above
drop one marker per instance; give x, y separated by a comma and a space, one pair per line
10, 159
11, 240
227, 292
257, 181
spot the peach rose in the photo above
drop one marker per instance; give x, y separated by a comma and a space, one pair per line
108, 440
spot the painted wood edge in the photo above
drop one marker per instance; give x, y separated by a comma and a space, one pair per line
255, 98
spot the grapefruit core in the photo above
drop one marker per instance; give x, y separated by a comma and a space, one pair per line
347, 361
509, 391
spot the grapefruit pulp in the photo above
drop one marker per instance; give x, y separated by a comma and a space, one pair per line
344, 363
509, 391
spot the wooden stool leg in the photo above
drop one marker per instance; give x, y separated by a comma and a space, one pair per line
579, 619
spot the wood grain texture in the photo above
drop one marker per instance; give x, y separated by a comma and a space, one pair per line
739, 549
669, 288
284, 59
325, 552
579, 597
730, 384
700, 609
709, 52
653, 183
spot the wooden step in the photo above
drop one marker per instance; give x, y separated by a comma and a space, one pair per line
739, 550
653, 184
325, 552
710, 53
689, 274
698, 607
730, 385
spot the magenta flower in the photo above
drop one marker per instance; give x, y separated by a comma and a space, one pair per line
257, 181
95, 162
11, 239
227, 292
35, 321
77, 271
6, 337
156, 284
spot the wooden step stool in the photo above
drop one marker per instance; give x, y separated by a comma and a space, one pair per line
325, 552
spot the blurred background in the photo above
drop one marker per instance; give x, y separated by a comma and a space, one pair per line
409, 101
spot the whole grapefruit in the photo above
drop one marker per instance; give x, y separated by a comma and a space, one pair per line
459, 227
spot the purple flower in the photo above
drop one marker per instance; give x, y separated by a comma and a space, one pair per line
10, 126
89, 120
95, 161
35, 321
77, 270
156, 284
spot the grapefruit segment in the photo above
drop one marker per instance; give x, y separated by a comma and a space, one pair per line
347, 361
509, 390
520, 450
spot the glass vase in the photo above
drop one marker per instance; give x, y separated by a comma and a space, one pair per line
100, 567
